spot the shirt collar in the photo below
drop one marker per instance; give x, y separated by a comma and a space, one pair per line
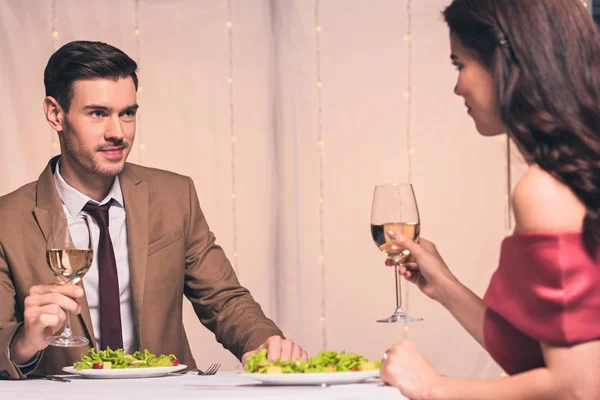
74, 200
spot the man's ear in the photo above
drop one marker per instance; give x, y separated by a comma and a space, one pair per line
54, 113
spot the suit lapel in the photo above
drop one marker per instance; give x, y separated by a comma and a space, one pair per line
135, 194
48, 204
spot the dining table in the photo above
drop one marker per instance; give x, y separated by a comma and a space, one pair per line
222, 385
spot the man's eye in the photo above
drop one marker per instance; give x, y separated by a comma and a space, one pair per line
129, 113
97, 114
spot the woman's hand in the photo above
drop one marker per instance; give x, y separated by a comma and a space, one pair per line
424, 266
405, 367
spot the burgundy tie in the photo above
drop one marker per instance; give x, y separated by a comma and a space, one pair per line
110, 310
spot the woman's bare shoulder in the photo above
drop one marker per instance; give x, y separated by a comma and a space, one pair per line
543, 203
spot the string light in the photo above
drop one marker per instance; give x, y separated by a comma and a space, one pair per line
53, 43
409, 148
320, 146
140, 89
229, 26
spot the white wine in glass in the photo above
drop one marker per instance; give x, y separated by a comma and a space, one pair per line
69, 260
395, 209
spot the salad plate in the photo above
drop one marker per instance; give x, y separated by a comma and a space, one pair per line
316, 378
326, 368
125, 373
116, 364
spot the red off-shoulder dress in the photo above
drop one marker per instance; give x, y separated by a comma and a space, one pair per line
546, 289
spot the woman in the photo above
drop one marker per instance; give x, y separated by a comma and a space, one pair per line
530, 68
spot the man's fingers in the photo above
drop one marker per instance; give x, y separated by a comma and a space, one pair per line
273, 349
287, 348
64, 302
296, 352
50, 315
47, 320
72, 291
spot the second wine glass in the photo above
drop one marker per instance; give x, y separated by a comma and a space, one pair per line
395, 209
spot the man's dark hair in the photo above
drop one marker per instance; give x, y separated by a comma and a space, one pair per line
84, 60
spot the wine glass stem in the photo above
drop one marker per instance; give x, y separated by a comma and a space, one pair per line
398, 289
68, 332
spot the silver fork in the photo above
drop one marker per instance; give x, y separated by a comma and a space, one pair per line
58, 378
211, 370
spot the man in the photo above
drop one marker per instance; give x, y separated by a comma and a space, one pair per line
152, 245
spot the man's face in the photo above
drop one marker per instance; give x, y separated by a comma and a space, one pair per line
99, 127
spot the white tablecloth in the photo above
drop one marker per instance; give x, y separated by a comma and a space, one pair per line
223, 385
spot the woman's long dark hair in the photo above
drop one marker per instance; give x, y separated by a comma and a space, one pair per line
545, 58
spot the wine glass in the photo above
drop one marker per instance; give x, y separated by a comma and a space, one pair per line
395, 208
69, 254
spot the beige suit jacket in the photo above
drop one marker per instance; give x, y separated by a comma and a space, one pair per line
172, 254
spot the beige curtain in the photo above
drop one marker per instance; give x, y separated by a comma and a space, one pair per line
185, 124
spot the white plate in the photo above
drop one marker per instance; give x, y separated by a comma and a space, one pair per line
125, 373
316, 378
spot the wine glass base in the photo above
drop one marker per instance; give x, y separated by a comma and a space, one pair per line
400, 316
404, 318
62, 341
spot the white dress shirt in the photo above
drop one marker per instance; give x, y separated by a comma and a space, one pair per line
73, 203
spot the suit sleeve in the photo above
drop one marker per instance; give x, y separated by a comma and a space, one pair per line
8, 321
221, 303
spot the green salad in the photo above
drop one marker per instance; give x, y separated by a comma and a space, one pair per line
117, 359
325, 361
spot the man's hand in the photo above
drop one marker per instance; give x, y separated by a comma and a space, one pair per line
44, 314
278, 348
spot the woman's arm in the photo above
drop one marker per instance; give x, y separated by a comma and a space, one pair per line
571, 373
468, 309
429, 272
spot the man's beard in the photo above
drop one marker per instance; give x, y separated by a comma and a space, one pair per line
86, 160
